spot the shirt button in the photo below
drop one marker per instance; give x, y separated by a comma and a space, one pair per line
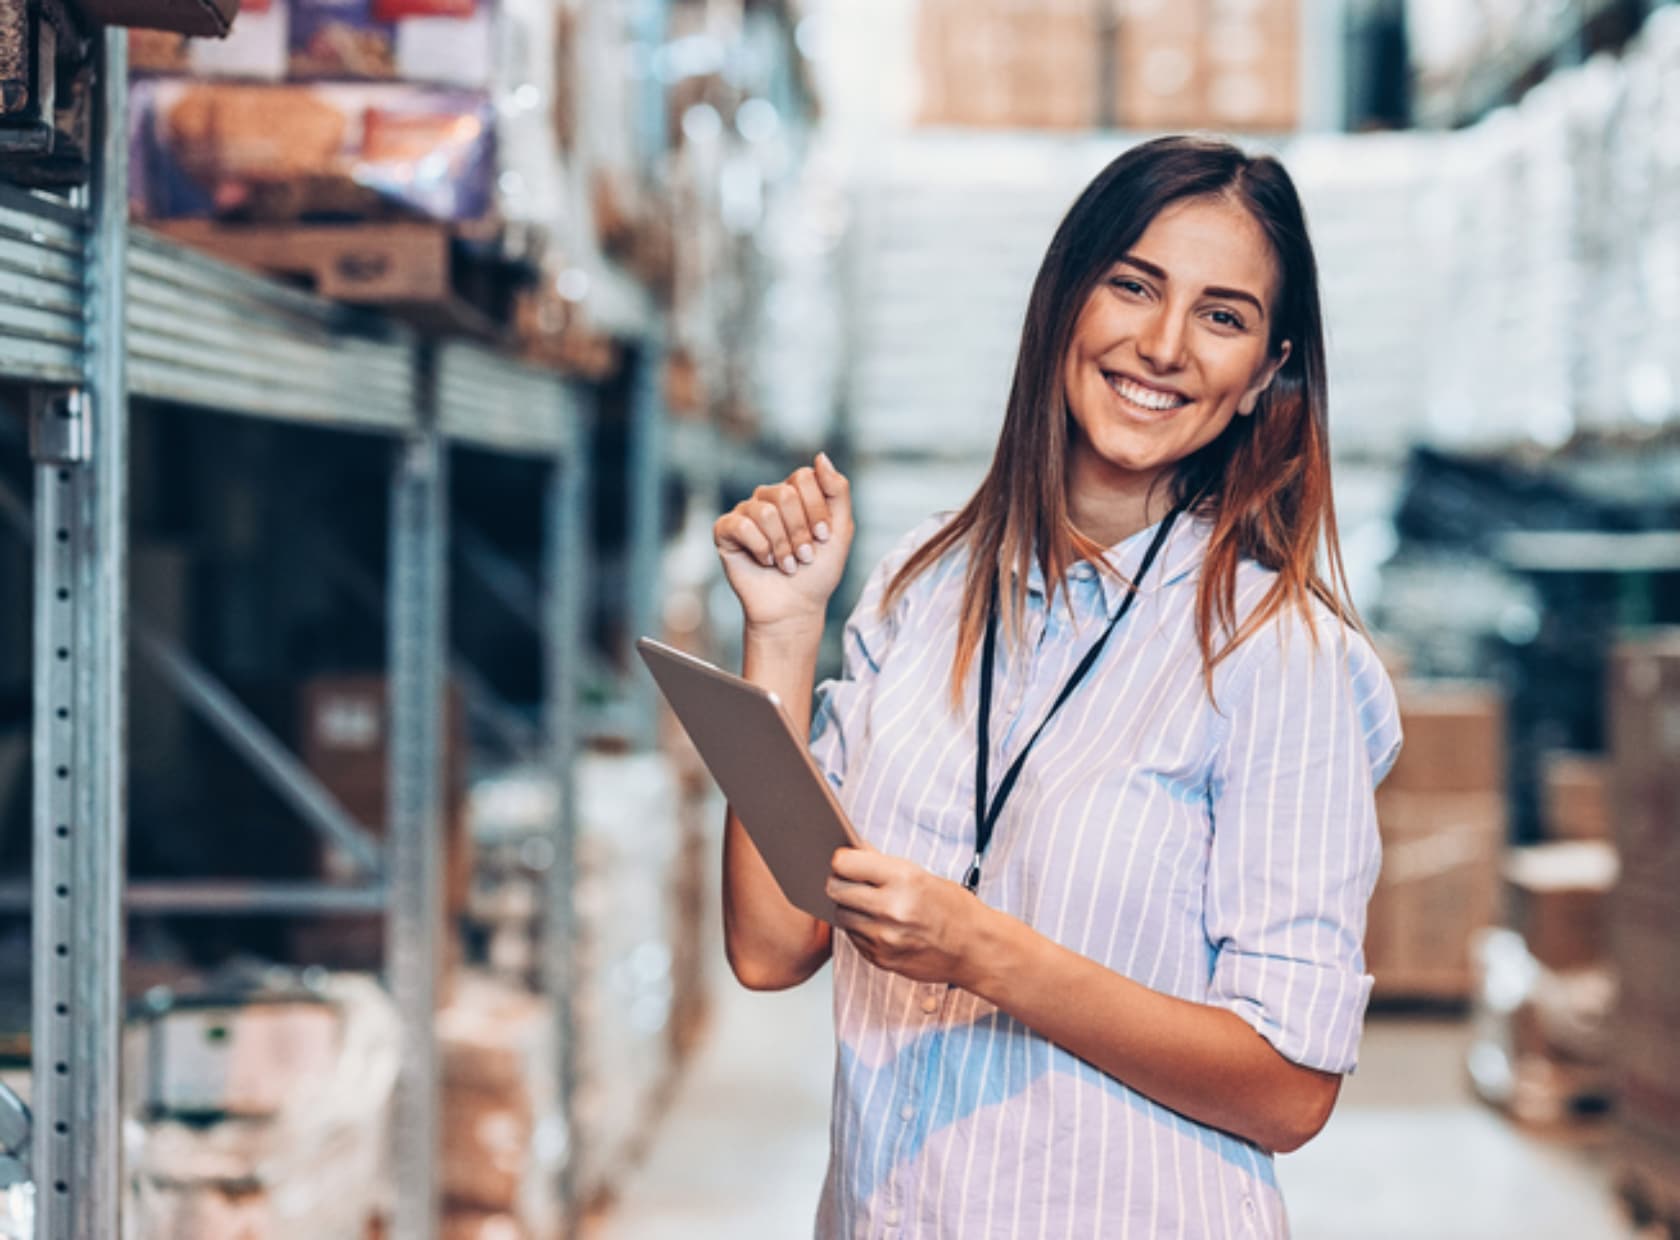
890, 1218
907, 1113
930, 1004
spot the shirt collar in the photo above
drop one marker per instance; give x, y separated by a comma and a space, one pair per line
1179, 557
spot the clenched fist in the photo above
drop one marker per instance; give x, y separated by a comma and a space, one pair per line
784, 550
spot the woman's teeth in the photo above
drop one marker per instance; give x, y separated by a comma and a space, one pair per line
1148, 398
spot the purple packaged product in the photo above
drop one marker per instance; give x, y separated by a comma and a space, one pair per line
434, 150
340, 39
209, 150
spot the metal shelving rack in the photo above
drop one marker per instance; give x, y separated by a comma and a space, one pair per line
92, 313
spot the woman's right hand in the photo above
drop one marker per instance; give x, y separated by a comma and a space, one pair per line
784, 550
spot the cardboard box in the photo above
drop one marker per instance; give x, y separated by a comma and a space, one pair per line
1455, 738
1576, 796
1007, 64
1207, 64
1645, 757
1438, 885
486, 1148
1262, 95
1160, 80
242, 1059
199, 17
500, 1098
477, 1225
1557, 898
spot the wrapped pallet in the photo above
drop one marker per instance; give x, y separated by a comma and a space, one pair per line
503, 1136
1442, 815
1645, 917
628, 851
261, 1120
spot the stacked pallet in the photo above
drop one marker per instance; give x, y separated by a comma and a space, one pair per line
1645, 921
503, 1136
1441, 811
1546, 984
1547, 989
260, 1112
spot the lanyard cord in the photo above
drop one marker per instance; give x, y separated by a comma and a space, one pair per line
985, 819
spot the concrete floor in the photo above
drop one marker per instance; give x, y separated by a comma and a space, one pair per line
1409, 1155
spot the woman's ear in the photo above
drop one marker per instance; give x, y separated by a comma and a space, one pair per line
1250, 399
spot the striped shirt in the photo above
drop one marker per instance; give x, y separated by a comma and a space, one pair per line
1223, 855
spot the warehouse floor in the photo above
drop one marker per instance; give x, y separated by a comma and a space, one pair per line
1409, 1153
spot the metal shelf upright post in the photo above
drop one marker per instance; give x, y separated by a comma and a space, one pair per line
80, 450
417, 650
565, 506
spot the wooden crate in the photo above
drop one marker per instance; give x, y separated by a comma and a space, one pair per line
429, 273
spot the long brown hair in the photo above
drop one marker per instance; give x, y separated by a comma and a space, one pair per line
1264, 482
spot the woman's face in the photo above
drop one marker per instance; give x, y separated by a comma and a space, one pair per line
1172, 343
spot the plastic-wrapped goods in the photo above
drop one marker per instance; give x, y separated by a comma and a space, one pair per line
627, 857
502, 53
799, 348
17, 1208
1644, 914
477, 1225
310, 1161
201, 150
503, 1136
1540, 1036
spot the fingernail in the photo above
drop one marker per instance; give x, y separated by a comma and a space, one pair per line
806, 555
790, 565
823, 457
821, 531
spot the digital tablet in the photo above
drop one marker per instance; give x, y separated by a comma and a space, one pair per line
760, 761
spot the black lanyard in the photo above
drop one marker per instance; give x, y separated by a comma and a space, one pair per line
986, 819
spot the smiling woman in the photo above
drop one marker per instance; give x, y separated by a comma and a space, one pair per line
1110, 738
1162, 358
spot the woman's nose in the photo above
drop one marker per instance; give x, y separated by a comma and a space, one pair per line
1160, 343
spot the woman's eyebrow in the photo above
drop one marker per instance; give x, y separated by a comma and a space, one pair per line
1229, 294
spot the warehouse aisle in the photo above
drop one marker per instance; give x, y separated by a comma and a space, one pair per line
741, 1154
1411, 1153
1408, 1154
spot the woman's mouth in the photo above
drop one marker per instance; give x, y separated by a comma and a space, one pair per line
1142, 396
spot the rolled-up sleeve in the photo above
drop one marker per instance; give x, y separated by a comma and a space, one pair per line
1313, 727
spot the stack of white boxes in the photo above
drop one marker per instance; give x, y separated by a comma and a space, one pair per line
1507, 284
948, 236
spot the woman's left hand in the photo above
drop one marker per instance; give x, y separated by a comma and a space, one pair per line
904, 919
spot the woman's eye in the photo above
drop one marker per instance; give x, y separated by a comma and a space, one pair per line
1126, 285
1226, 319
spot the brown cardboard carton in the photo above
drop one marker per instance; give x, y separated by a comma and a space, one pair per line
1009, 63
1438, 885
497, 1060
212, 18
1159, 78
486, 1148
1262, 95
476, 1225
1644, 712
1575, 801
1557, 898
1455, 738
